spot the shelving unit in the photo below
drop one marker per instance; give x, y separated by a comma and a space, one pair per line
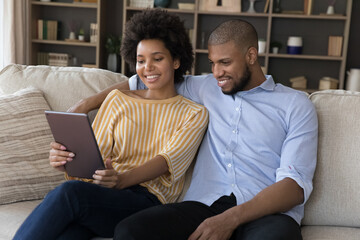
314, 63
65, 11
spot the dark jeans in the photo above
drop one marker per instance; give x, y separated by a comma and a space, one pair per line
178, 221
80, 210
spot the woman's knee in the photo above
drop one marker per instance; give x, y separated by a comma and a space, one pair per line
68, 189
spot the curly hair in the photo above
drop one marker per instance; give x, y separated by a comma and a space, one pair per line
161, 25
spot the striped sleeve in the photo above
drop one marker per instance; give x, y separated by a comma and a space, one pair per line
182, 146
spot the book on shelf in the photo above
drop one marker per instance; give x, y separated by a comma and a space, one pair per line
266, 8
141, 3
42, 58
222, 6
59, 59
47, 29
308, 5
94, 31
335, 46
298, 82
54, 59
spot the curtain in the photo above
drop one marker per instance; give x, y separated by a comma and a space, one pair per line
13, 32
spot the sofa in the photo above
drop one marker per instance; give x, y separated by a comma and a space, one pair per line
332, 212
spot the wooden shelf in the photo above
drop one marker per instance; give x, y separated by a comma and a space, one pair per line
304, 16
82, 15
69, 43
302, 56
60, 4
175, 10
233, 13
315, 30
293, 56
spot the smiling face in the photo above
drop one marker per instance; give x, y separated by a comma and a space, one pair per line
230, 67
155, 65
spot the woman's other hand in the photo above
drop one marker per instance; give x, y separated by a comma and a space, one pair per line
108, 177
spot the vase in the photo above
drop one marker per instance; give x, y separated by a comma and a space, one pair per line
161, 3
251, 7
72, 35
113, 62
261, 46
330, 10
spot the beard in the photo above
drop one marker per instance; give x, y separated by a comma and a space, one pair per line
241, 83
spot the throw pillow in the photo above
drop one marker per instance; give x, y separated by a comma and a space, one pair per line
25, 173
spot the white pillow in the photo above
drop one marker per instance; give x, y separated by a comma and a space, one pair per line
62, 86
25, 173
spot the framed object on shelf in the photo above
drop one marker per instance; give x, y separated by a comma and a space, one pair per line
142, 3
220, 5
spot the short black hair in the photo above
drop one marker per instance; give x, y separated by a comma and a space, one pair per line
240, 31
161, 25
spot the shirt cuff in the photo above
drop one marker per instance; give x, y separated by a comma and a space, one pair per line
305, 184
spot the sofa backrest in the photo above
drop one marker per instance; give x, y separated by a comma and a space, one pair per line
62, 86
335, 200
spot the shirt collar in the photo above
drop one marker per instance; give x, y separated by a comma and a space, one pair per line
267, 85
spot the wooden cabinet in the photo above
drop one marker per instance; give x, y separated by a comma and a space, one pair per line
68, 14
314, 29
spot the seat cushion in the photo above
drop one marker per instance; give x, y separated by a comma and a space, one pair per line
329, 233
12, 216
335, 200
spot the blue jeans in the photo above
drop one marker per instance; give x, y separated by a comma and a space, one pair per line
80, 210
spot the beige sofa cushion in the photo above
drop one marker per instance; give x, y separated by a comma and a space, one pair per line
62, 86
12, 216
329, 233
25, 173
336, 196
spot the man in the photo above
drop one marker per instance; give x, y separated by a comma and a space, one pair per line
254, 169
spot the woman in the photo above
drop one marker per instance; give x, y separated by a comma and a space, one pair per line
148, 138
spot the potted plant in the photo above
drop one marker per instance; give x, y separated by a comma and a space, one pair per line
112, 46
81, 35
275, 46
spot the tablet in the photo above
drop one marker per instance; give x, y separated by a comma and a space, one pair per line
74, 131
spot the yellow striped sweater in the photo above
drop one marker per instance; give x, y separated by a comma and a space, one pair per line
132, 131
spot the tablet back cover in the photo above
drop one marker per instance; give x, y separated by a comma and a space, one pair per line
74, 131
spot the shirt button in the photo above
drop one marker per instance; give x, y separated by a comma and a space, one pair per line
229, 165
235, 131
237, 109
233, 185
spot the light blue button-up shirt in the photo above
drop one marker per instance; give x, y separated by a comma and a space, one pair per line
254, 139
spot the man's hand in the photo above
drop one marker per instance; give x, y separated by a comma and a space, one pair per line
219, 227
108, 177
79, 107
